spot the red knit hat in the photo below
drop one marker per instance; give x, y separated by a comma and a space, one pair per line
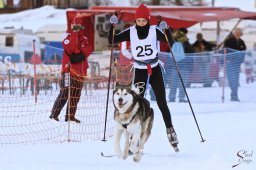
77, 24
142, 12
78, 20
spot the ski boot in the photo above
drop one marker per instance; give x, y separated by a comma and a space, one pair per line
171, 134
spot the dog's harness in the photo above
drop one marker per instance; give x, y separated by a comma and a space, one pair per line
127, 124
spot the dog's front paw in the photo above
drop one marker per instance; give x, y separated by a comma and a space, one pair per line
118, 153
125, 155
137, 156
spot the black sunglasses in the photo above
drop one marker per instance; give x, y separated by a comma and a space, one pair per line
78, 27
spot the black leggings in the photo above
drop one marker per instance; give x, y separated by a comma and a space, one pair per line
157, 83
76, 85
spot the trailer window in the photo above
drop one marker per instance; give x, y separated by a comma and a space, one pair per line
42, 39
9, 41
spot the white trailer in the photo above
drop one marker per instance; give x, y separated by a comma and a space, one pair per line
16, 45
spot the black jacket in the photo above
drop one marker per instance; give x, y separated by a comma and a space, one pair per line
125, 36
233, 43
208, 46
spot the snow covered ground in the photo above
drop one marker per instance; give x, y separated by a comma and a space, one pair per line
228, 128
227, 133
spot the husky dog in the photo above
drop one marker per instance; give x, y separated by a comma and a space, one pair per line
134, 118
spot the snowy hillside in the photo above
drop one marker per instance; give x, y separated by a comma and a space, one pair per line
34, 18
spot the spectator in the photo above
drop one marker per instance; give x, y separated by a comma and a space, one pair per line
75, 64
201, 46
234, 61
248, 68
185, 65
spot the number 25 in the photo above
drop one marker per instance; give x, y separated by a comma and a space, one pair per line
147, 49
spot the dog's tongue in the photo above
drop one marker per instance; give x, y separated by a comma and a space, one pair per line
121, 104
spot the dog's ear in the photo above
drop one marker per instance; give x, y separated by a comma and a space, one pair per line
117, 84
130, 84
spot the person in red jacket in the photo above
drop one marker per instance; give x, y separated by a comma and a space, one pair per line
74, 64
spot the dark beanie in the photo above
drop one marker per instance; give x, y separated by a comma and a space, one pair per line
184, 30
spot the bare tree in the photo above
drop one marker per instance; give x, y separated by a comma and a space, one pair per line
25, 4
9, 3
156, 2
213, 3
100, 2
178, 2
182, 2
196, 2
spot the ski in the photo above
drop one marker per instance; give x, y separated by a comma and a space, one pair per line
107, 156
129, 154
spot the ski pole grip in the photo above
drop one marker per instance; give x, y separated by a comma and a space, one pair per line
116, 12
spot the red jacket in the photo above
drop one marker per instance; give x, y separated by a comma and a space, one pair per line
76, 42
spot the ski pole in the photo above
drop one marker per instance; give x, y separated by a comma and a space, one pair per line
224, 75
109, 77
177, 69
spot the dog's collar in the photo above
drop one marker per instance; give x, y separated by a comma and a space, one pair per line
127, 124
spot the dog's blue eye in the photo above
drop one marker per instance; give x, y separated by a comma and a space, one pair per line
118, 93
125, 94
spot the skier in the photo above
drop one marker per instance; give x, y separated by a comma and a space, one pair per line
144, 47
